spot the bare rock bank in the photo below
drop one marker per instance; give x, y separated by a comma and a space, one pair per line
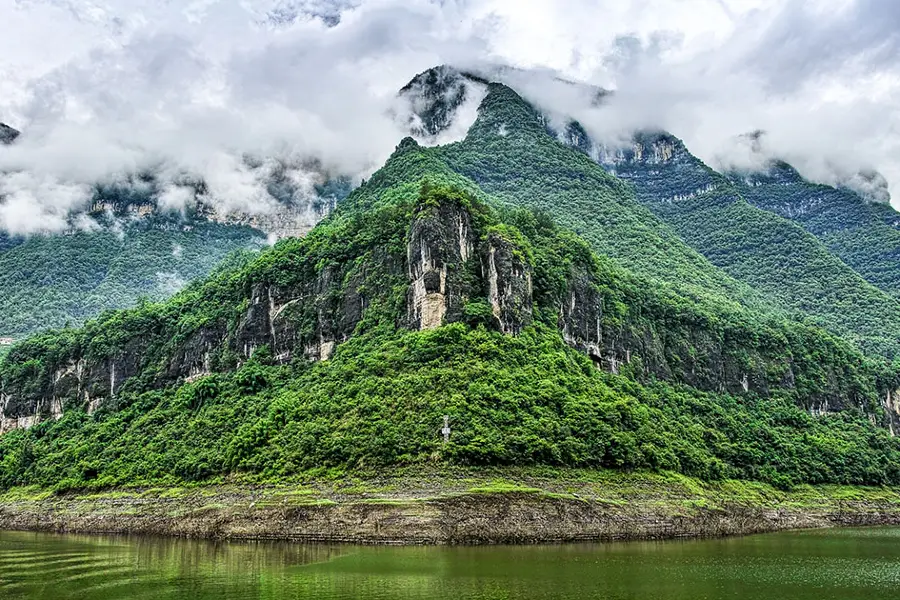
456, 513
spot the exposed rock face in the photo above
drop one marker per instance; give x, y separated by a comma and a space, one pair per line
286, 220
441, 242
892, 408
509, 283
689, 355
449, 265
658, 163
7, 134
439, 105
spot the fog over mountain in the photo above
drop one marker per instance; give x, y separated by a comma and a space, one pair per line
220, 91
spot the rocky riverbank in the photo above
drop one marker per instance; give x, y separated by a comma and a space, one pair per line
455, 508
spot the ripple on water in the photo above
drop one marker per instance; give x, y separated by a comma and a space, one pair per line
846, 564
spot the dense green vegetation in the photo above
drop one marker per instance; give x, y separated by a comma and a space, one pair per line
525, 400
379, 402
863, 235
709, 383
795, 271
54, 280
791, 266
510, 154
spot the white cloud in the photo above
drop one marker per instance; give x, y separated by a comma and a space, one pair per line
189, 89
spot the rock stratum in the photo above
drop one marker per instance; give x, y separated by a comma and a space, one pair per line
519, 508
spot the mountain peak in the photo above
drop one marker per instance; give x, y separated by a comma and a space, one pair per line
7, 134
439, 105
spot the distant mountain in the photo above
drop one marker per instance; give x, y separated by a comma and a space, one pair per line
865, 235
7, 134
772, 254
123, 247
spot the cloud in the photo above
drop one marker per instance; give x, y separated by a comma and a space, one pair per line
821, 77
215, 91
230, 92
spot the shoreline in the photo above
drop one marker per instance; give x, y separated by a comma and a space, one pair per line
498, 506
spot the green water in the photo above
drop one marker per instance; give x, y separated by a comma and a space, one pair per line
819, 565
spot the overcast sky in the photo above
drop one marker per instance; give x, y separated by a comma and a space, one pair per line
106, 86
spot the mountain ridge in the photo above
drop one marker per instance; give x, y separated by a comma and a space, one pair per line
864, 235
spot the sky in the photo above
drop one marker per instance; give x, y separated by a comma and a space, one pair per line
103, 88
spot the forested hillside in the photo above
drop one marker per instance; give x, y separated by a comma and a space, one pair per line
122, 248
423, 295
698, 216
507, 281
866, 236
51, 281
793, 268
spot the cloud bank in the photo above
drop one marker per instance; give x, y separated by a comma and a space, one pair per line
217, 89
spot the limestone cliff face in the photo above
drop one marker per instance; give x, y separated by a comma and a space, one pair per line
441, 243
509, 282
450, 264
678, 352
75, 382
891, 406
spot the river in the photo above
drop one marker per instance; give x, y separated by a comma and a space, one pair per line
815, 565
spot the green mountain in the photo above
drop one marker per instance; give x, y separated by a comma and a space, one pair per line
863, 234
58, 280
510, 154
794, 269
451, 283
132, 250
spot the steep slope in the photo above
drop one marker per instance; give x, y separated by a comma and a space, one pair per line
415, 299
124, 247
510, 154
53, 281
791, 266
866, 236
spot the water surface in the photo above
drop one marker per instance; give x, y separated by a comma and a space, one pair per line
815, 565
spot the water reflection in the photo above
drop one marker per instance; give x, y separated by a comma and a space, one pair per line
860, 563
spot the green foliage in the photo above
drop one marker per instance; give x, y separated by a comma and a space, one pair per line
865, 236
529, 399
61, 280
379, 402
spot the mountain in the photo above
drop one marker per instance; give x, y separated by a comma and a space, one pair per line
762, 259
7, 134
772, 254
863, 234
450, 283
578, 193
124, 247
